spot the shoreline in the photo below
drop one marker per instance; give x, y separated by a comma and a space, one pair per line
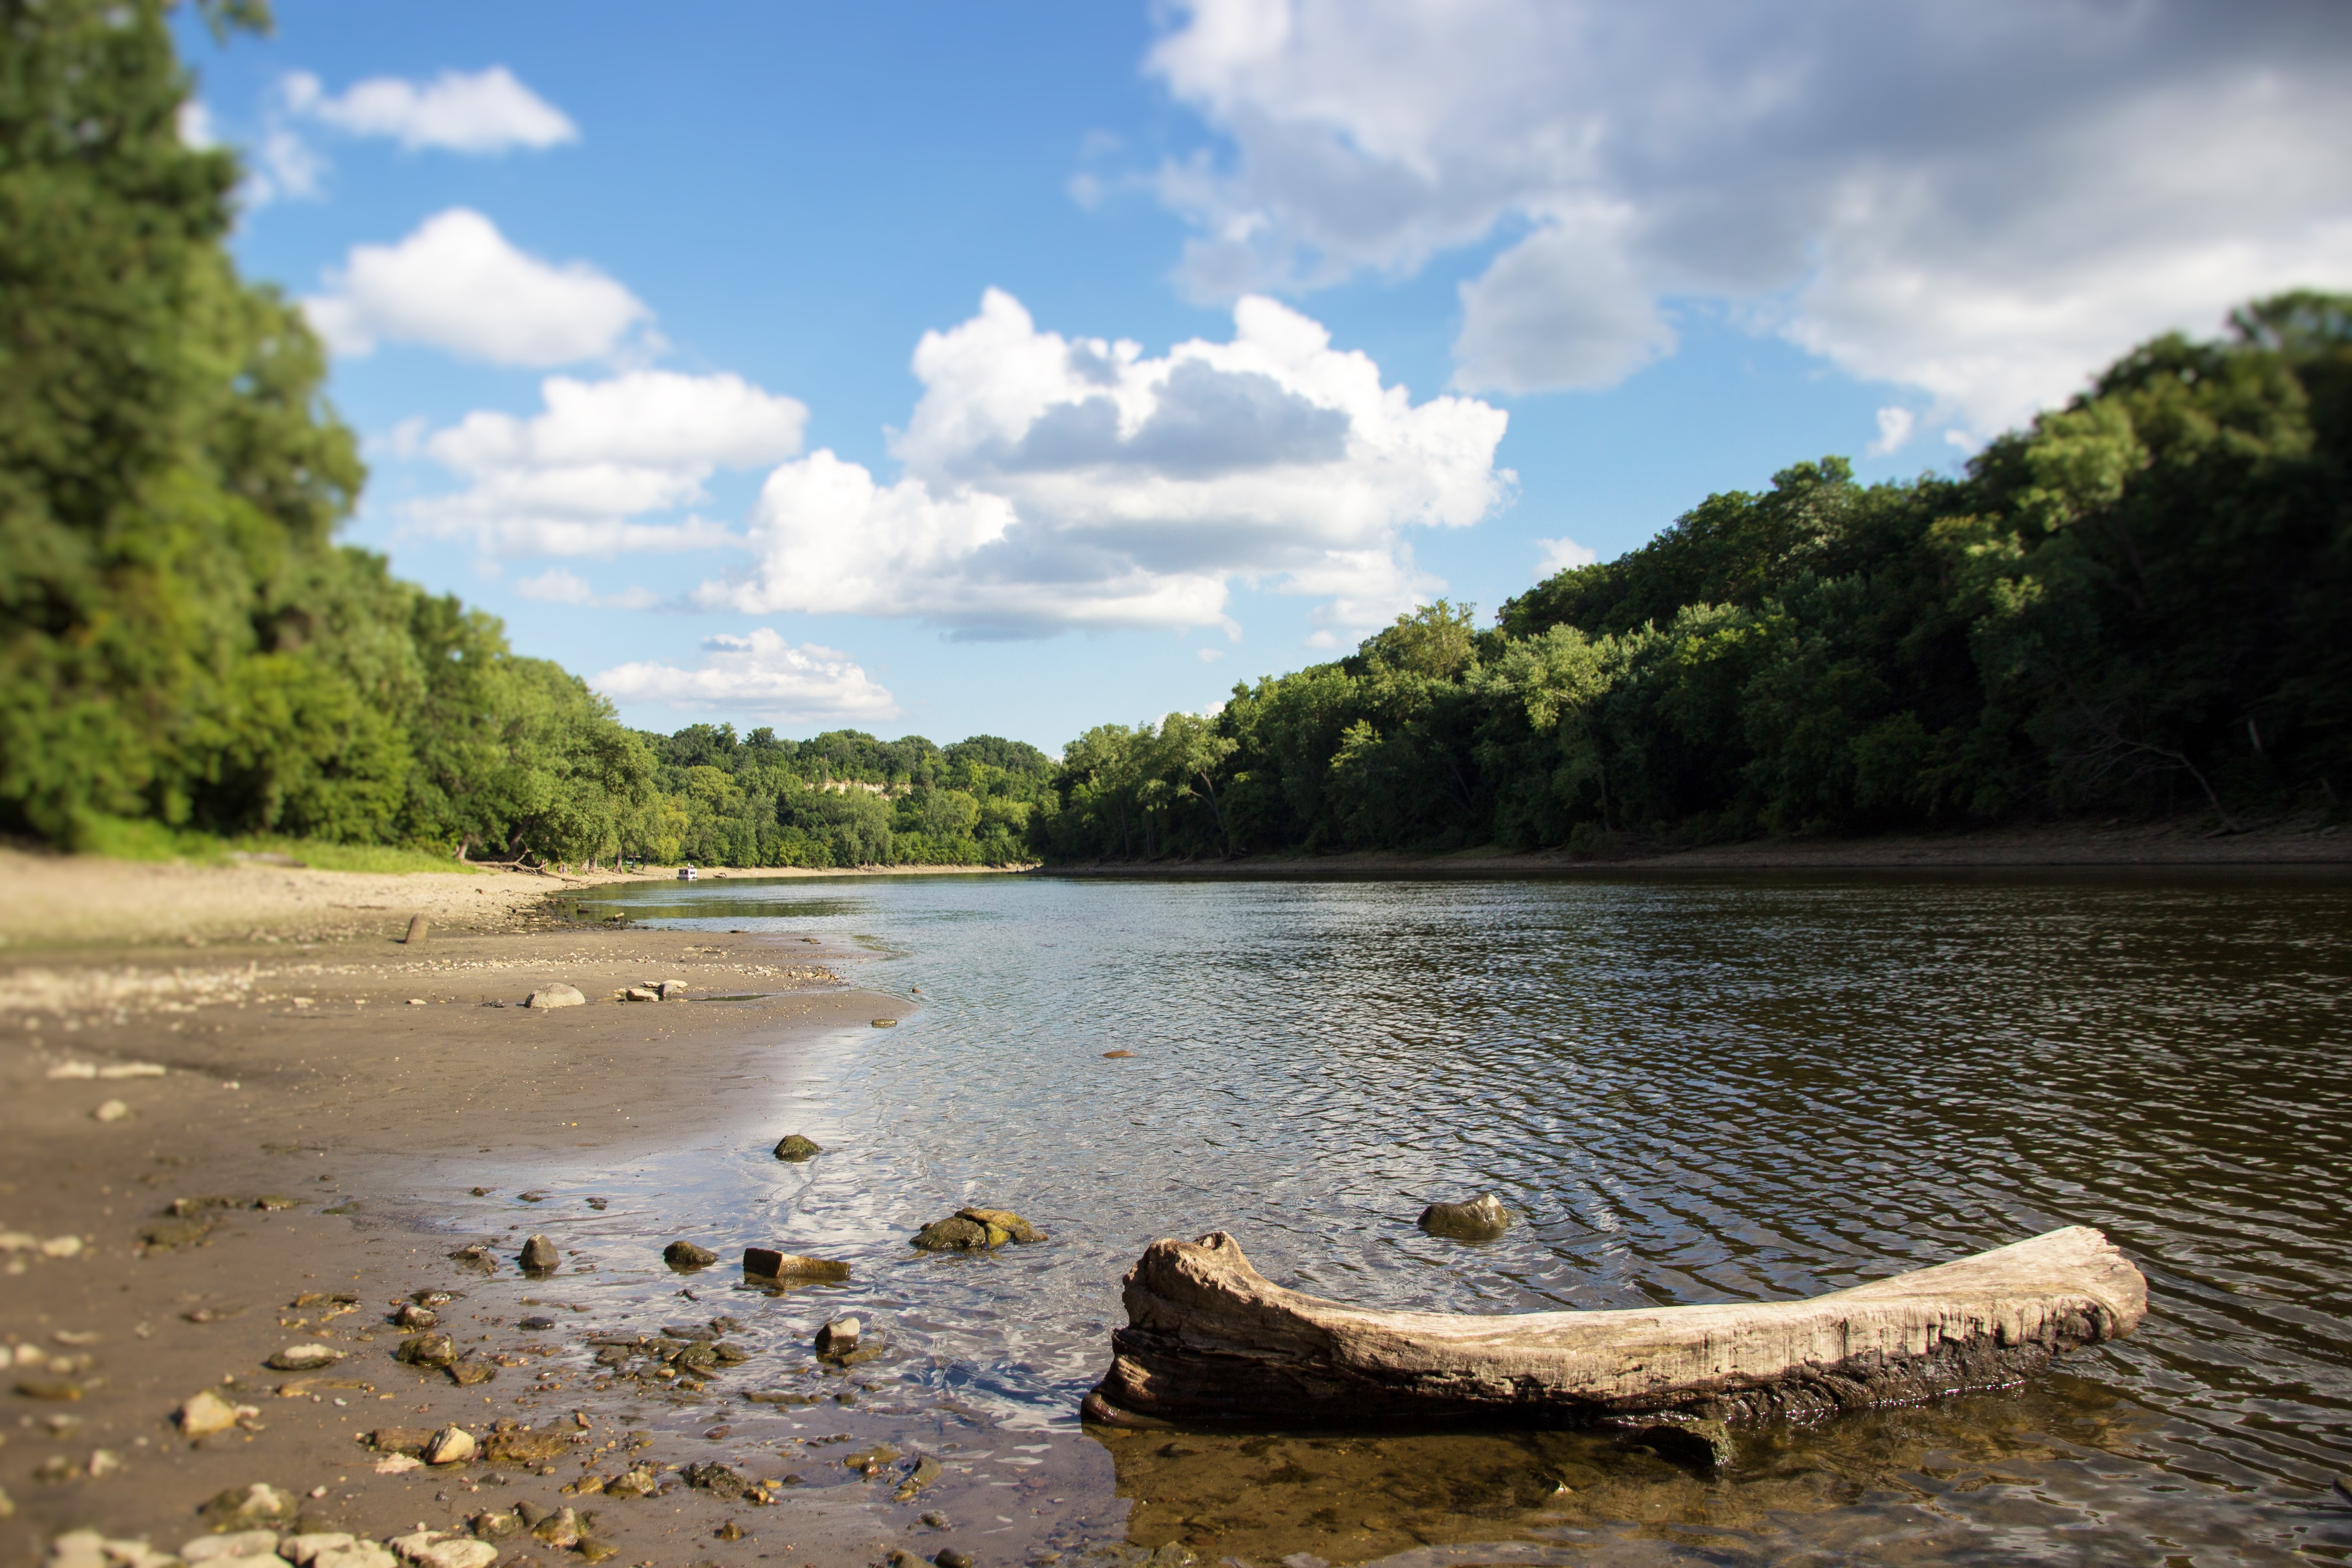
66, 901
2063, 846
366, 1087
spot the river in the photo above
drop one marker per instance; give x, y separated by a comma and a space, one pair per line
1695, 1088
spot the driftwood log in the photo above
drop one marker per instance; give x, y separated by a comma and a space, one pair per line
1211, 1342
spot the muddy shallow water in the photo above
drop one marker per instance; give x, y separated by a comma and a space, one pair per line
1735, 1088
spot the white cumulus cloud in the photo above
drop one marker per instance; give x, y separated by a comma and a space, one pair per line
1561, 554
1051, 482
761, 674
458, 284
557, 586
1979, 199
580, 477
1896, 425
456, 112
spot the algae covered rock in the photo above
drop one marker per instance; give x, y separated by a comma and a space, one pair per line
686, 1254
795, 1148
1483, 1218
972, 1229
839, 1337
1703, 1444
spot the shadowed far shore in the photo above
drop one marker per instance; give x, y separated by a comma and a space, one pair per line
2120, 845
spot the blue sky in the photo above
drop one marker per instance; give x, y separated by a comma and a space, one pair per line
764, 363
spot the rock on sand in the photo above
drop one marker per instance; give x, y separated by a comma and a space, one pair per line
556, 997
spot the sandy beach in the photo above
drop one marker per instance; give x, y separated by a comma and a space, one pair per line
63, 901
198, 1140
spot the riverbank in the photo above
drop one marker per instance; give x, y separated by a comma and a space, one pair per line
207, 1158
54, 901
2063, 845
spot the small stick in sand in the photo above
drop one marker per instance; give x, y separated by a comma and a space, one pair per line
418, 926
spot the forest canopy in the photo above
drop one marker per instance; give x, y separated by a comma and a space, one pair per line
2141, 604
183, 640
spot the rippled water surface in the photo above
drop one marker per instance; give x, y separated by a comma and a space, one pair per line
1688, 1090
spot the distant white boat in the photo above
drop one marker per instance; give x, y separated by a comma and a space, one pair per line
686, 873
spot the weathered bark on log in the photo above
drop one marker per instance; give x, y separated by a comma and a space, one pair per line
1212, 1342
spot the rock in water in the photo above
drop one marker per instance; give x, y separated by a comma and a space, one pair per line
839, 1337
795, 1148
953, 1234
450, 1445
1483, 1218
686, 1255
769, 1263
927, 1470
556, 997
539, 1254
968, 1229
1703, 1444
1018, 1231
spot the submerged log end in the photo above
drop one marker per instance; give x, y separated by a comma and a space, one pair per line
1210, 1340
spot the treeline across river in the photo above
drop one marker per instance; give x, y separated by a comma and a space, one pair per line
2142, 604
184, 646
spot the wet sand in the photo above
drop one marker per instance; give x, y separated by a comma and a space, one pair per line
325, 1075
51, 901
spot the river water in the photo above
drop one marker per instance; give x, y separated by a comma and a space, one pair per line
1687, 1089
